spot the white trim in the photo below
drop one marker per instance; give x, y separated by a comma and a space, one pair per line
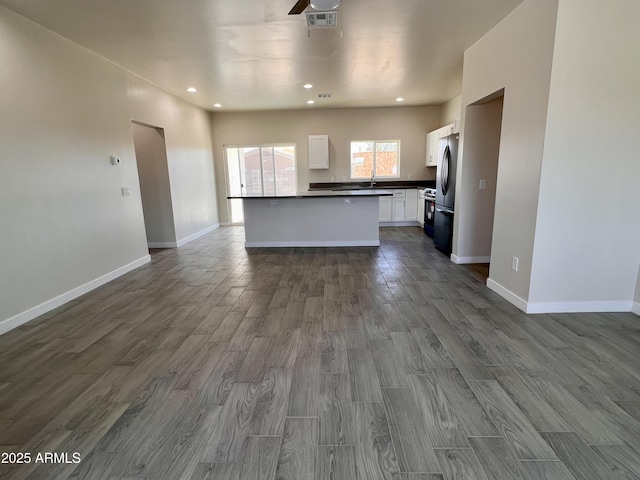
26, 316
405, 223
350, 243
579, 307
466, 260
562, 307
225, 224
191, 238
507, 294
162, 244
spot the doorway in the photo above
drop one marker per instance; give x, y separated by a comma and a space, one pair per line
155, 189
482, 132
257, 170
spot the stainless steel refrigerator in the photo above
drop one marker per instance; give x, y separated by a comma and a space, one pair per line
445, 194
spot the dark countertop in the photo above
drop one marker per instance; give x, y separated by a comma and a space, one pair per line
324, 193
386, 185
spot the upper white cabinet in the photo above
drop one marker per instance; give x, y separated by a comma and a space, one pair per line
432, 148
433, 140
318, 151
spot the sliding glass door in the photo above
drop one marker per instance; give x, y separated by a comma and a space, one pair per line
257, 170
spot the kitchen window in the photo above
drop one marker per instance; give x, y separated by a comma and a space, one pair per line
380, 158
256, 170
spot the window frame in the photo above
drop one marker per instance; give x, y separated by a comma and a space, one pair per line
375, 142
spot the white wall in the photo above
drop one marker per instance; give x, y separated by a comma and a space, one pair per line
636, 298
66, 228
515, 55
408, 124
155, 190
451, 110
187, 131
587, 246
483, 124
64, 220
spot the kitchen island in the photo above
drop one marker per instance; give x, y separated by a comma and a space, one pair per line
344, 218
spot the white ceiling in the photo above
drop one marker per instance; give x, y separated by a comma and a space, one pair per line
251, 55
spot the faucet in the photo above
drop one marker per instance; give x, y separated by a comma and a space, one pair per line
372, 182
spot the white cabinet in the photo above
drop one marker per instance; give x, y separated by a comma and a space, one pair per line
318, 152
398, 205
446, 130
398, 210
411, 205
432, 148
385, 209
420, 209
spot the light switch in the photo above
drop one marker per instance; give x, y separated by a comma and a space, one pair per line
126, 191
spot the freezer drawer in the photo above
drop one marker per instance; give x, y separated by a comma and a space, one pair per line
443, 230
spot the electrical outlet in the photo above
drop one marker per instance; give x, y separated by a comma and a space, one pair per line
483, 184
410, 177
273, 202
514, 264
126, 191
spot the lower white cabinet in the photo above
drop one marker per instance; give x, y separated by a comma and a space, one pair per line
398, 210
411, 205
404, 206
385, 209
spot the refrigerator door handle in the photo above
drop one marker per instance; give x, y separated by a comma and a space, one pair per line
444, 178
445, 211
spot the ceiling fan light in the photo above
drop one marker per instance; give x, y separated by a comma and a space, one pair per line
325, 4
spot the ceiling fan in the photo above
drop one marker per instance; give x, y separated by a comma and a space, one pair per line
323, 5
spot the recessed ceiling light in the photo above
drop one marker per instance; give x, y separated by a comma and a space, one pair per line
307, 85
399, 99
191, 90
310, 102
217, 105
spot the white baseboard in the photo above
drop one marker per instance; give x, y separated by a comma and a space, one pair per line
28, 315
507, 294
562, 307
191, 238
225, 224
351, 243
410, 223
466, 260
162, 244
578, 307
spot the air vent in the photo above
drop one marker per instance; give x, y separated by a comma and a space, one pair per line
322, 19
324, 95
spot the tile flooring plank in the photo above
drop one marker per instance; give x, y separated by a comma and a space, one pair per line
272, 403
512, 424
365, 385
336, 463
577, 456
389, 364
623, 460
254, 366
258, 459
336, 413
410, 353
375, 455
443, 426
460, 464
304, 400
212, 471
334, 352
431, 348
299, 450
541, 470
497, 459
468, 410
217, 386
413, 449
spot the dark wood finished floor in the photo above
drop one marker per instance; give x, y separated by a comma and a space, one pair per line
216, 362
